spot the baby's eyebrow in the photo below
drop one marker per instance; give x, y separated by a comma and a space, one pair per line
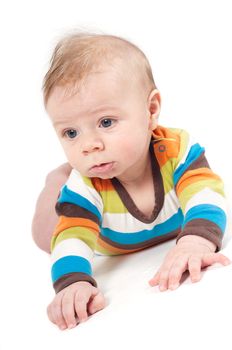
91, 112
60, 123
103, 109
64, 119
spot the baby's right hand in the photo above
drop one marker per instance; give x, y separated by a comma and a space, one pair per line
76, 300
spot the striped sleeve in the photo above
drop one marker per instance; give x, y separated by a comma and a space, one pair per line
72, 247
200, 192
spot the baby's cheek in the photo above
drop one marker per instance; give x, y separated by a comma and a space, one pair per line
132, 149
73, 158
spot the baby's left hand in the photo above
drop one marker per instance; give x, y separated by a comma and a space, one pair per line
191, 253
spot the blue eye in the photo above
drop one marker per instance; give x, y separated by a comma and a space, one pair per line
105, 123
71, 133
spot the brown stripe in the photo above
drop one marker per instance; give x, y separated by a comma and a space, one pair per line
142, 245
200, 162
70, 278
158, 193
73, 210
203, 228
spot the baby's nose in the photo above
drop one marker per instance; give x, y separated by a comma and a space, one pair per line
92, 144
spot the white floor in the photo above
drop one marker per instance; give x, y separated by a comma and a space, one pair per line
194, 316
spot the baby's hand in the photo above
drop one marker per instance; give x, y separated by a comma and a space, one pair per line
192, 253
76, 300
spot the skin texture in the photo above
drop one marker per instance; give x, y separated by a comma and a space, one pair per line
74, 304
45, 217
92, 126
191, 253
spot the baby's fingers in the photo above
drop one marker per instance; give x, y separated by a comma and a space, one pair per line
178, 268
54, 312
210, 259
194, 267
154, 281
97, 303
80, 302
68, 309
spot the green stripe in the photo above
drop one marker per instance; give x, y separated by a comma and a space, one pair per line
82, 233
167, 175
113, 203
87, 181
191, 190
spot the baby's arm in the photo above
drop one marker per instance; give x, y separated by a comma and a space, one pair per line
202, 201
74, 239
45, 217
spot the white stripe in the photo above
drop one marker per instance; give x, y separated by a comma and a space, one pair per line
76, 184
206, 196
127, 223
71, 246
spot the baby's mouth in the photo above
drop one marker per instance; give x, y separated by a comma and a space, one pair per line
101, 168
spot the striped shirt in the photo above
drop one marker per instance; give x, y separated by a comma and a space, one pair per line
98, 216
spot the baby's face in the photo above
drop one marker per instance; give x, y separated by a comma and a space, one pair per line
105, 127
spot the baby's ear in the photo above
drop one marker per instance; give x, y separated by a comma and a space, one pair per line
154, 102
153, 122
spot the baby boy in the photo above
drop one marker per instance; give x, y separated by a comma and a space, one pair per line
129, 183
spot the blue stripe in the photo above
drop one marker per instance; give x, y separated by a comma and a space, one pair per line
137, 237
194, 153
209, 212
68, 196
69, 264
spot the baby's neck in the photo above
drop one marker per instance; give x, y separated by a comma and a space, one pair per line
139, 176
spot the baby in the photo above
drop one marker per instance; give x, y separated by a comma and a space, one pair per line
129, 183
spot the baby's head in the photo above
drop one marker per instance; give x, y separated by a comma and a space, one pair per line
103, 102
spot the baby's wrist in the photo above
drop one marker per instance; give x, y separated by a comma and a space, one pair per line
197, 240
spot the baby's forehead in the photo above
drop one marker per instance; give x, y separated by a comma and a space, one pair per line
107, 89
108, 81
77, 58
121, 74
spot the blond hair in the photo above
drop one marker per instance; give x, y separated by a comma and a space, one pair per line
77, 55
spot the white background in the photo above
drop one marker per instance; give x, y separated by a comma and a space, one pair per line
188, 44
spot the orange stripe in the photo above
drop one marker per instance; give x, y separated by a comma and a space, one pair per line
162, 132
100, 185
67, 222
193, 176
